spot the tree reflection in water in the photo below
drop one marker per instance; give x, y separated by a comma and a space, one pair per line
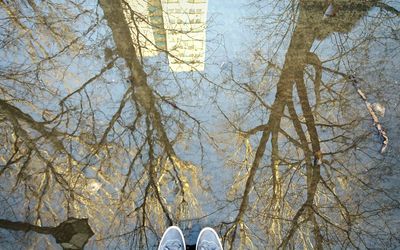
92, 129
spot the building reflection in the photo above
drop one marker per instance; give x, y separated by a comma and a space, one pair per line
177, 27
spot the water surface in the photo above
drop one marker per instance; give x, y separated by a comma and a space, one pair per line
275, 122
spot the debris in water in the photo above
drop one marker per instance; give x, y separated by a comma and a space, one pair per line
330, 11
379, 109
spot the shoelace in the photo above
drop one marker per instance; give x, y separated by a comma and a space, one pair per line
208, 245
172, 245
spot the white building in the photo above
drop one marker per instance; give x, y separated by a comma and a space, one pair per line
185, 25
146, 24
176, 26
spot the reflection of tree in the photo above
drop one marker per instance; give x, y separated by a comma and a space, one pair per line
292, 72
95, 148
291, 215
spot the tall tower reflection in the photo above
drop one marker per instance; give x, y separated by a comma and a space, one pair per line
175, 26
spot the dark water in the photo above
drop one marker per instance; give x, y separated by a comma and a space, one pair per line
275, 122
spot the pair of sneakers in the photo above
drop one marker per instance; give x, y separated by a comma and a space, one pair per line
173, 240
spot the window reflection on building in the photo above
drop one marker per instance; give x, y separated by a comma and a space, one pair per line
176, 26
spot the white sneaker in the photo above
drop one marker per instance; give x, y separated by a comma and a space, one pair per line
172, 239
208, 240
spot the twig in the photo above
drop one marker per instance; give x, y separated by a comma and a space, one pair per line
378, 125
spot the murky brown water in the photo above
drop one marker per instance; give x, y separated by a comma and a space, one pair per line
275, 122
